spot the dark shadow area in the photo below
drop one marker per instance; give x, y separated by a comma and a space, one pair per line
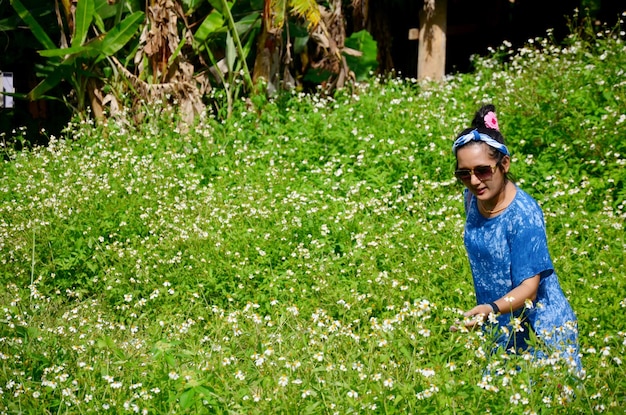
476, 26
18, 55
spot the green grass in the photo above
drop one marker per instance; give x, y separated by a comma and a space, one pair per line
308, 257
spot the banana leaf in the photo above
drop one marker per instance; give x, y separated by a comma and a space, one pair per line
84, 15
35, 27
91, 52
211, 24
120, 35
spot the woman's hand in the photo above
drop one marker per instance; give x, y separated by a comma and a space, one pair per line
477, 315
474, 317
515, 299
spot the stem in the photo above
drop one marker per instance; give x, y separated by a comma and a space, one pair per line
32, 262
231, 24
227, 87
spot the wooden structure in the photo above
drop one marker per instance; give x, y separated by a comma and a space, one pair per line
431, 57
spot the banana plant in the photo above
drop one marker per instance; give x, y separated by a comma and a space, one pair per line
79, 59
275, 29
229, 43
219, 34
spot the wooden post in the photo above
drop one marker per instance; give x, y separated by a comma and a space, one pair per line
431, 58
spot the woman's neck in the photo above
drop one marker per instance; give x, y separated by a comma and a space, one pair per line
500, 202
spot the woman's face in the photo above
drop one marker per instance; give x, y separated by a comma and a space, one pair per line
476, 155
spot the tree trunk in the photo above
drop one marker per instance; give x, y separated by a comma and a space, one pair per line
267, 61
269, 45
431, 59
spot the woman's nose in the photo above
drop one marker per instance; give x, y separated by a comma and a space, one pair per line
474, 180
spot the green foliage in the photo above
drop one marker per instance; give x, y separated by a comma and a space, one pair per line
78, 63
363, 65
308, 257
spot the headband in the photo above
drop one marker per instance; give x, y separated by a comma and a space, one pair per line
476, 136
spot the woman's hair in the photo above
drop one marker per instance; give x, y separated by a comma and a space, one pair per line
484, 122
479, 123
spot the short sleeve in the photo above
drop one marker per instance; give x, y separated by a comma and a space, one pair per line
529, 247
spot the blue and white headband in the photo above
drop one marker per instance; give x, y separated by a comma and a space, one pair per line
476, 136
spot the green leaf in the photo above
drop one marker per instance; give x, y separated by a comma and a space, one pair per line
119, 36
10, 23
53, 79
365, 43
250, 43
187, 398
84, 15
231, 52
312, 408
191, 5
99, 22
205, 390
105, 342
50, 53
248, 21
35, 28
169, 359
219, 5
206, 393
104, 10
175, 54
299, 44
212, 23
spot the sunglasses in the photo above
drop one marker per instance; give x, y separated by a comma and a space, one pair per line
482, 173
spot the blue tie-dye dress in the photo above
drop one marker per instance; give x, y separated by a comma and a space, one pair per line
505, 250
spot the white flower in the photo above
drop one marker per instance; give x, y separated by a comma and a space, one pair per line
427, 373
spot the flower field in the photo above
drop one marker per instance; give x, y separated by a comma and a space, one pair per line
307, 257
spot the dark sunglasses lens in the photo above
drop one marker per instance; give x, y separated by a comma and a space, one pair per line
463, 174
483, 172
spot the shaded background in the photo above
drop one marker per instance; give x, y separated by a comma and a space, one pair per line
473, 27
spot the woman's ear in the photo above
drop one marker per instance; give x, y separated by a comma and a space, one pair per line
506, 164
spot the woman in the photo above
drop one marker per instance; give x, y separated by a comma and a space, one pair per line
507, 247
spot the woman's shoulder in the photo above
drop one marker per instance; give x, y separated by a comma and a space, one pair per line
527, 207
524, 198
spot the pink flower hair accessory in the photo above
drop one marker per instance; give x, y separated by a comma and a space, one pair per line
491, 121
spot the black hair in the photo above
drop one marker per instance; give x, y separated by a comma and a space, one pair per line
478, 124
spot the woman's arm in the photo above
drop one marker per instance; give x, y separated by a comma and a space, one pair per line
513, 300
